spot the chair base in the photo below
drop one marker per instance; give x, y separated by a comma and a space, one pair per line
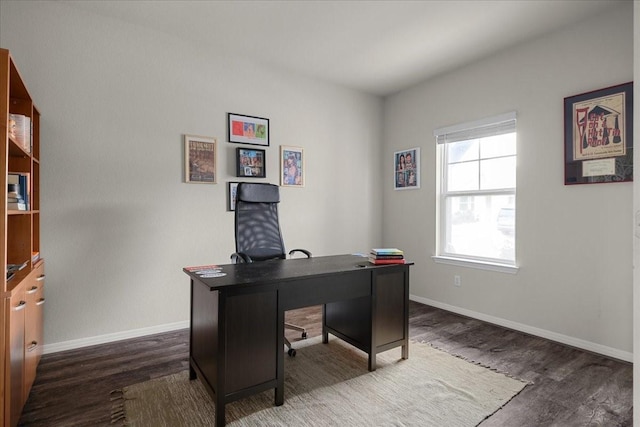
292, 351
296, 328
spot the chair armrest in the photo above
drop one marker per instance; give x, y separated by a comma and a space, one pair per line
239, 257
304, 251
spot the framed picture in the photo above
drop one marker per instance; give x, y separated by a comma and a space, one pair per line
233, 188
598, 136
248, 129
406, 169
250, 163
200, 159
291, 166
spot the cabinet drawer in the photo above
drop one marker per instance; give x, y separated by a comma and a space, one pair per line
34, 297
14, 374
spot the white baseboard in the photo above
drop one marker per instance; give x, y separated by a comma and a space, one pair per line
107, 338
553, 336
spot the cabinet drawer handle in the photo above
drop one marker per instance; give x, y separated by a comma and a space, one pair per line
33, 290
21, 305
32, 346
40, 278
40, 301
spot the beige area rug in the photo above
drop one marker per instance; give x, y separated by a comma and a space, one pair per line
329, 385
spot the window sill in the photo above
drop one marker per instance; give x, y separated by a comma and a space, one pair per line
481, 265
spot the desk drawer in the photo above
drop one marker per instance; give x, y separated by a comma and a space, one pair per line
323, 290
392, 309
252, 337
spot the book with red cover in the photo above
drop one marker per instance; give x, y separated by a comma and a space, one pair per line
202, 267
385, 261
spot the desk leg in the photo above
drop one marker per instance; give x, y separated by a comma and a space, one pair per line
372, 361
325, 334
279, 392
192, 372
405, 351
220, 421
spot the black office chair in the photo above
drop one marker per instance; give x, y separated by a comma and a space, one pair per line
258, 235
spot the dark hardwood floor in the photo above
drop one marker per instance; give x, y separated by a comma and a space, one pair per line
569, 387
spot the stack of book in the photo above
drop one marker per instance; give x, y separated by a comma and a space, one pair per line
20, 130
16, 192
386, 256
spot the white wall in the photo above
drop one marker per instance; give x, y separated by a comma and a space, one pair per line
118, 224
573, 246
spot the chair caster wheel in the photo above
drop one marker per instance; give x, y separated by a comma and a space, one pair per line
304, 335
292, 352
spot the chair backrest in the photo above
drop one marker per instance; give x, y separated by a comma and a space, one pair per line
256, 221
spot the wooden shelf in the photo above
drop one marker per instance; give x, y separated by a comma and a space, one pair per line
17, 279
21, 312
15, 150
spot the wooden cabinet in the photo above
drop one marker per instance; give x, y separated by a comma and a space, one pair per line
23, 323
21, 311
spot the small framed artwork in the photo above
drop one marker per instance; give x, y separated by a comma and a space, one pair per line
250, 163
248, 129
406, 169
598, 136
233, 189
200, 159
291, 166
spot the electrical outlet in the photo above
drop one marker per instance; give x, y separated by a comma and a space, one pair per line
456, 280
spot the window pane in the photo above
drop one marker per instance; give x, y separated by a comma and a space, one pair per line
498, 146
498, 173
463, 177
462, 151
481, 226
476, 214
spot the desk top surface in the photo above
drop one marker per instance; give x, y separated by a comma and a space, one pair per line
283, 270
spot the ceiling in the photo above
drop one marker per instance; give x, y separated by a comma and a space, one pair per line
379, 47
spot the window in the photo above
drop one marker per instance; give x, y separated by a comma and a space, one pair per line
477, 192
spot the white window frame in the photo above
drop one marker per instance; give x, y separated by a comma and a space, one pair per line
504, 123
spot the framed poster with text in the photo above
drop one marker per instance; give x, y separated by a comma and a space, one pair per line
200, 159
598, 136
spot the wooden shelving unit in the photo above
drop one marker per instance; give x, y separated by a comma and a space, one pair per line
21, 311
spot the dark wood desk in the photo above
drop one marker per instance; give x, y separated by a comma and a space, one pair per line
237, 321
